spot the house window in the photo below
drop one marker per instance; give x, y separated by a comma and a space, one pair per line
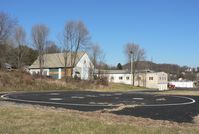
77, 72
120, 78
84, 61
127, 78
150, 78
112, 78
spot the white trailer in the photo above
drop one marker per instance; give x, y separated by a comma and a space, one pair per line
182, 84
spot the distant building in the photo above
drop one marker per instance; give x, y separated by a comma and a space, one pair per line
189, 69
148, 79
183, 84
54, 65
7, 66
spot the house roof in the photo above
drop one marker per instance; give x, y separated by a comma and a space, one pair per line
56, 60
112, 71
126, 71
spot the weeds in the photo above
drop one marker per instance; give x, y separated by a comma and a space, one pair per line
22, 81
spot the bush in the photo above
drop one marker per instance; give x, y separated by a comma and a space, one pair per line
5, 80
102, 81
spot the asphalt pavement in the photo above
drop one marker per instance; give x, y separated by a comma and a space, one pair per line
140, 104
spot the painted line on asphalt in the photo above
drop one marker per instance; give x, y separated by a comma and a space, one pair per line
56, 103
138, 98
173, 104
56, 99
105, 95
91, 96
77, 97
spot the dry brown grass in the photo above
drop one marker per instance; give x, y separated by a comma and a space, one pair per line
22, 118
18, 81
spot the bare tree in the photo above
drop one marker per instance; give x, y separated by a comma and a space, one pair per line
101, 64
96, 57
76, 37
65, 48
135, 53
95, 53
40, 34
20, 41
7, 25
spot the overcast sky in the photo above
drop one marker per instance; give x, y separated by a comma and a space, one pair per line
167, 29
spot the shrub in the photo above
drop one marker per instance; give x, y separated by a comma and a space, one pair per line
102, 81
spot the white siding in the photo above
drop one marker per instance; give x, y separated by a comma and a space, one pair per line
59, 75
115, 78
157, 80
84, 66
36, 71
183, 84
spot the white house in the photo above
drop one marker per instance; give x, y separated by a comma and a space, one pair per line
54, 65
149, 79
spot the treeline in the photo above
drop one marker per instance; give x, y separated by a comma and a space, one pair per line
19, 51
10, 56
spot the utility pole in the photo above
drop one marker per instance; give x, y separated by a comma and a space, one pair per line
131, 52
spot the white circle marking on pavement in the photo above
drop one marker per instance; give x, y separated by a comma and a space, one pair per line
105, 95
55, 99
191, 101
77, 97
92, 96
138, 98
54, 94
6, 97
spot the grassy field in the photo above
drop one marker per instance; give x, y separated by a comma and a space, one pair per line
23, 119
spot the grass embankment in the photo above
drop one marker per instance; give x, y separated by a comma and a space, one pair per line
23, 119
17, 81
181, 92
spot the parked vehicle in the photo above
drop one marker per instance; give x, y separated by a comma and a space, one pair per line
171, 86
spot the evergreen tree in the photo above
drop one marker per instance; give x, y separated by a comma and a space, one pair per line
119, 66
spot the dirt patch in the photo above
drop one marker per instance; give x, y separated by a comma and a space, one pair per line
117, 108
196, 120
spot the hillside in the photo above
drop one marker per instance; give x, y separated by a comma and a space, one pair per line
168, 68
174, 70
